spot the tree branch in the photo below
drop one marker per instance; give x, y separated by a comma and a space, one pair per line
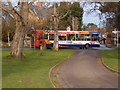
17, 13
19, 2
10, 4
61, 17
12, 8
11, 12
6, 10
31, 2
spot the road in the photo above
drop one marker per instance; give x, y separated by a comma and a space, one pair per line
83, 71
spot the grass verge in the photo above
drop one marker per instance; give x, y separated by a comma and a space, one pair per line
31, 72
110, 58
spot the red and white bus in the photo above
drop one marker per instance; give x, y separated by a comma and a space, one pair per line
67, 39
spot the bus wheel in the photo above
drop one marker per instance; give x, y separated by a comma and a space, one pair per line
87, 46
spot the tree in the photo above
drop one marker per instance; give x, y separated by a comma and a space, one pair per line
109, 10
8, 29
91, 25
57, 17
84, 27
77, 11
61, 14
20, 13
67, 20
74, 11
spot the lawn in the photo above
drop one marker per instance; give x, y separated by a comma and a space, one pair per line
110, 58
31, 72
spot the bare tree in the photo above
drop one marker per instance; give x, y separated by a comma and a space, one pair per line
57, 18
21, 16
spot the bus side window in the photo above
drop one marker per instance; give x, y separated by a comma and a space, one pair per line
46, 36
62, 38
40, 36
32, 39
51, 36
71, 37
92, 38
95, 38
79, 37
88, 37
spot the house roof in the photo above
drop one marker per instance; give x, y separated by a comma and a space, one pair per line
41, 12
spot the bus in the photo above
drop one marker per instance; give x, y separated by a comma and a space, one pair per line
67, 39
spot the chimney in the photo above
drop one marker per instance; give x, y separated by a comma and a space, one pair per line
39, 4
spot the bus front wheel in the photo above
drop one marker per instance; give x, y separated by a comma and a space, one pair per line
87, 46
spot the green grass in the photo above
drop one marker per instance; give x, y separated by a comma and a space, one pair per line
31, 72
110, 58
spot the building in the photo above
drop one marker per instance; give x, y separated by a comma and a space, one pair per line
40, 11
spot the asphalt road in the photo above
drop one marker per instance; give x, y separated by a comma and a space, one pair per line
83, 71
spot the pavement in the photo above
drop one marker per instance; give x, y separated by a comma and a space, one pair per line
83, 71
102, 47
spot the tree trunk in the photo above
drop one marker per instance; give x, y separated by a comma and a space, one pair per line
56, 22
42, 43
25, 41
30, 42
55, 44
18, 41
8, 39
21, 28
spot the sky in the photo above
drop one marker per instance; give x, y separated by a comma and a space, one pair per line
90, 19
